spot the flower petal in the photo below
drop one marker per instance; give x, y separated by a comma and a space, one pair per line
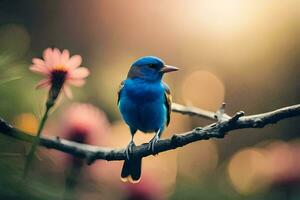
65, 55
47, 54
79, 73
68, 92
38, 61
39, 69
74, 62
48, 57
43, 83
56, 57
76, 82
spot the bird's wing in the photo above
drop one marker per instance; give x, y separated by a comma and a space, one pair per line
168, 102
120, 89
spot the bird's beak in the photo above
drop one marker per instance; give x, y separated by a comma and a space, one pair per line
168, 68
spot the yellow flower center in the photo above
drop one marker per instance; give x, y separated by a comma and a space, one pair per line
60, 68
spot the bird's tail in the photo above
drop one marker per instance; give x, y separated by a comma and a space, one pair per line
131, 170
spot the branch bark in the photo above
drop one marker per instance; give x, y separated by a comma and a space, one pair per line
193, 111
219, 129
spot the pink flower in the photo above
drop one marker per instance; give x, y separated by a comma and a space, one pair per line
84, 123
148, 188
285, 162
60, 70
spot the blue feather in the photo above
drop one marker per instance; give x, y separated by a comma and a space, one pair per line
142, 105
146, 60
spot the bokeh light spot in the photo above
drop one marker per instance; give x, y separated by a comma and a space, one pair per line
198, 160
246, 171
26, 122
14, 40
203, 89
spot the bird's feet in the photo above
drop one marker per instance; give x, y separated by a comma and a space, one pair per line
152, 143
128, 149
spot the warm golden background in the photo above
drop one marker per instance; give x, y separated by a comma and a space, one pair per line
243, 52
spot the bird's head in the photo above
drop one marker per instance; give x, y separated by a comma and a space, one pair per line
149, 68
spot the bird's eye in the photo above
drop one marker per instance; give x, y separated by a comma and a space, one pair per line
151, 65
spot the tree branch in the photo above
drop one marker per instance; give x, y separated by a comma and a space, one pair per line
218, 129
193, 111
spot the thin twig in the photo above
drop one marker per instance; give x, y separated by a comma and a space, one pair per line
218, 129
193, 111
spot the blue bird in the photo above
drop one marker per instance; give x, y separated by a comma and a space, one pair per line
144, 101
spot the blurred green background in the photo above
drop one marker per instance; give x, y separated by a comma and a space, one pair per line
243, 52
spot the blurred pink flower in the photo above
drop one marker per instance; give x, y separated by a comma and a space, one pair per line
84, 123
60, 70
148, 188
285, 162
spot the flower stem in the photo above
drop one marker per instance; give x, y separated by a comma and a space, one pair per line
73, 176
35, 142
52, 96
